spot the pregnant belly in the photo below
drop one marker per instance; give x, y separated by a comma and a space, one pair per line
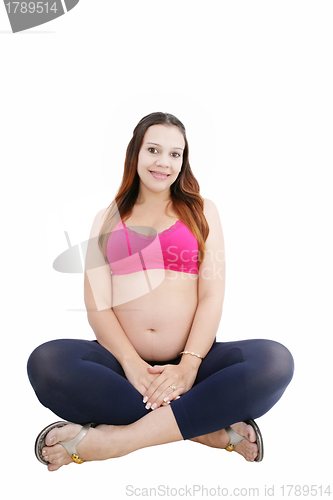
158, 322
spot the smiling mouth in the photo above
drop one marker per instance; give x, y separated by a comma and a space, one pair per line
158, 175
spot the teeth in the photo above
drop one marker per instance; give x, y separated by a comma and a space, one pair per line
159, 174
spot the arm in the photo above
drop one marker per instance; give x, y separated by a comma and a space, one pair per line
108, 331
211, 289
211, 286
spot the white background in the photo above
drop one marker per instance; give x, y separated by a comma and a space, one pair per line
252, 82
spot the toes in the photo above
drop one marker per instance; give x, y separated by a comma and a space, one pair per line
248, 447
245, 430
57, 434
56, 456
251, 457
248, 450
251, 435
53, 467
251, 454
52, 437
64, 433
57, 460
53, 450
54, 453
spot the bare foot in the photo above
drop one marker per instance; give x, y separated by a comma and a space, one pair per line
94, 446
220, 439
107, 441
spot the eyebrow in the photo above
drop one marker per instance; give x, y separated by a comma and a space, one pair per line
155, 144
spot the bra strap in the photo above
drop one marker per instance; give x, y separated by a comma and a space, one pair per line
127, 239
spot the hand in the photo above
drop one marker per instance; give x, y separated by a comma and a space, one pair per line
159, 392
137, 374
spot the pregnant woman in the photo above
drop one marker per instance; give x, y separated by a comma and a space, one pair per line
154, 289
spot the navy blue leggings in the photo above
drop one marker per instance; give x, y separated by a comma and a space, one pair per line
82, 382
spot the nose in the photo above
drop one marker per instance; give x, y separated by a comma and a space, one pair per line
163, 161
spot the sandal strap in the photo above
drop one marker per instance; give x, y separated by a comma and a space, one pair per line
234, 438
70, 446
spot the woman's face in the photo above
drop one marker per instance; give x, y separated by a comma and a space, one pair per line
160, 158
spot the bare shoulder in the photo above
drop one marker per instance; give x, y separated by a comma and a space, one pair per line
209, 206
208, 203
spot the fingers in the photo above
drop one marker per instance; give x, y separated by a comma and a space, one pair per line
163, 394
143, 385
166, 403
155, 384
166, 387
155, 369
165, 397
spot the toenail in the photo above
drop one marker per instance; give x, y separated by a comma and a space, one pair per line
52, 440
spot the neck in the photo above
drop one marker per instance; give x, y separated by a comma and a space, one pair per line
148, 198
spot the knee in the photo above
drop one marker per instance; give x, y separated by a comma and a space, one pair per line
279, 362
40, 364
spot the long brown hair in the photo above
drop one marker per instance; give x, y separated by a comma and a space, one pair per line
185, 192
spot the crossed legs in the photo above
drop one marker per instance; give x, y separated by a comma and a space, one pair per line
80, 381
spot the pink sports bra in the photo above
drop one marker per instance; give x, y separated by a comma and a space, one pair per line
175, 249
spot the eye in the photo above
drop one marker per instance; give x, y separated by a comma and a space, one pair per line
152, 150
175, 155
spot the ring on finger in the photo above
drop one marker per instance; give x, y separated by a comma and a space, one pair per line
173, 387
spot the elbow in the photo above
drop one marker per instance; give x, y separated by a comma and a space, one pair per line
214, 300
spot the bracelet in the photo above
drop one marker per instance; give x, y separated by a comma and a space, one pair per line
192, 354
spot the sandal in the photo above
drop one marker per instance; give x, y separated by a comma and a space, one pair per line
70, 446
237, 438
